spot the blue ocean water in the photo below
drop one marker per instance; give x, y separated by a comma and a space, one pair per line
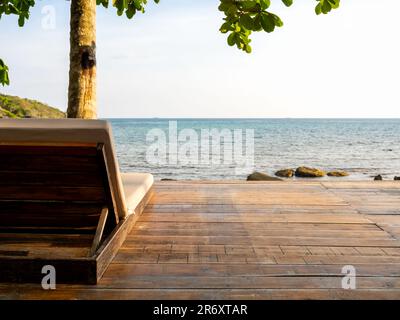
363, 147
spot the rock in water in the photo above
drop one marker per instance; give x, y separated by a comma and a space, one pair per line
337, 173
168, 179
285, 173
259, 176
305, 172
378, 178
396, 178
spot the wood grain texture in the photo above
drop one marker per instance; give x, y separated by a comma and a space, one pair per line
48, 216
53, 189
257, 240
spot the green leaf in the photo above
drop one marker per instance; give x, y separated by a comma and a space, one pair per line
247, 48
226, 27
104, 3
119, 4
287, 3
130, 12
232, 10
247, 21
318, 9
265, 4
224, 7
248, 5
278, 22
21, 21
325, 7
137, 4
334, 3
4, 80
237, 27
232, 39
257, 23
267, 22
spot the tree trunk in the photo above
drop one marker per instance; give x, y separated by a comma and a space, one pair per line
82, 70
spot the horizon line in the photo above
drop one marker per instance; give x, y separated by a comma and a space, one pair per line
252, 118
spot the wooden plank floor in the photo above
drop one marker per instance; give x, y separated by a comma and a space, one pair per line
237, 240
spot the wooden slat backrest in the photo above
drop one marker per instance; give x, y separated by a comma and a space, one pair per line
52, 188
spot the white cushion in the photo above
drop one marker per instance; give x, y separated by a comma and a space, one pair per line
135, 187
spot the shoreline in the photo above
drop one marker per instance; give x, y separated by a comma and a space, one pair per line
298, 180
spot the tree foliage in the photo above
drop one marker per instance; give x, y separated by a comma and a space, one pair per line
242, 17
4, 74
17, 7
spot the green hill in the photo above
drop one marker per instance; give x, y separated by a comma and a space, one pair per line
15, 107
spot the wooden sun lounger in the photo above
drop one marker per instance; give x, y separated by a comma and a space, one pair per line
63, 201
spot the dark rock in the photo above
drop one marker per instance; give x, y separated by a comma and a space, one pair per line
167, 179
285, 173
259, 176
396, 178
305, 172
337, 173
378, 178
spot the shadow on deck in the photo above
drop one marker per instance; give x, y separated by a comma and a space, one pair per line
235, 240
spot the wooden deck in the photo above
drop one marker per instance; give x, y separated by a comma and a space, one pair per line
231, 240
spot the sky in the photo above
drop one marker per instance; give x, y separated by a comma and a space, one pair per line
173, 62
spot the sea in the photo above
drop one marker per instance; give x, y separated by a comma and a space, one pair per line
230, 149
